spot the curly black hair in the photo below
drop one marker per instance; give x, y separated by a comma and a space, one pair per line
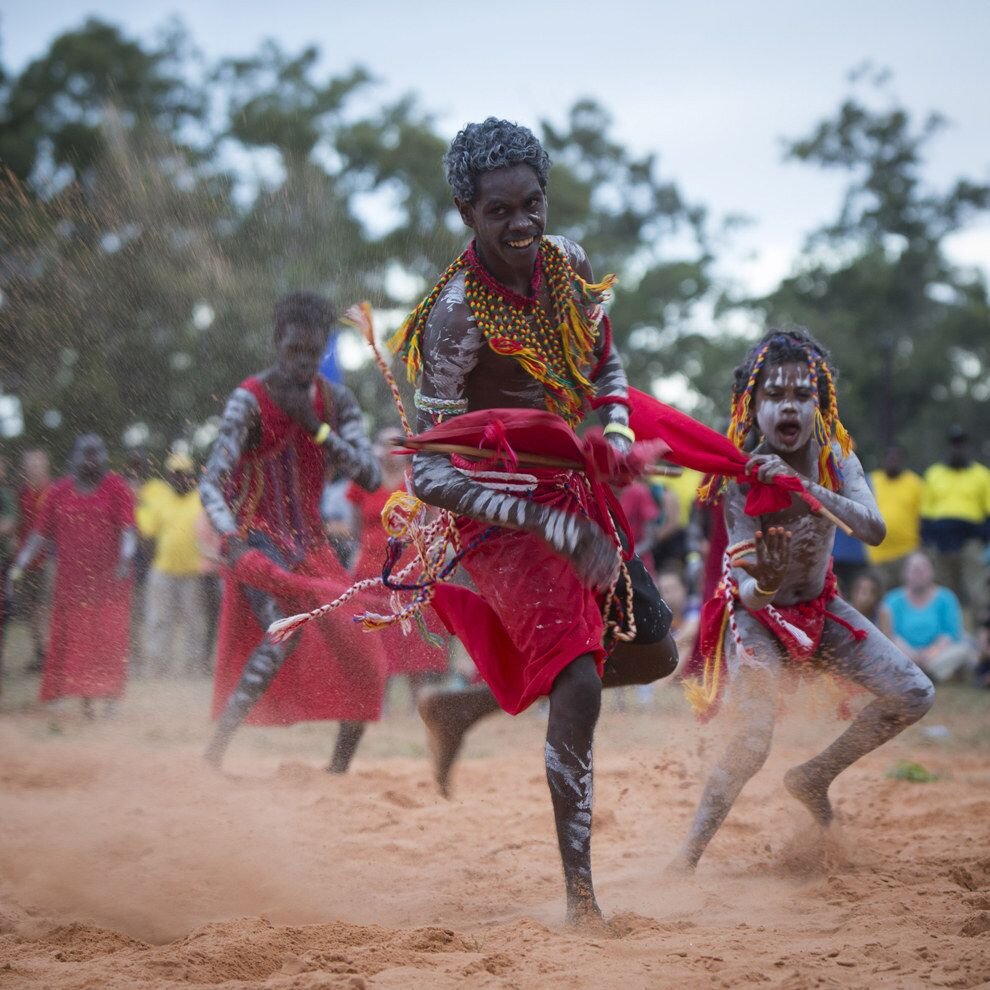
480, 148
778, 347
307, 309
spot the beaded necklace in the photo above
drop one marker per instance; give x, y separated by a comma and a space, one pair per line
553, 348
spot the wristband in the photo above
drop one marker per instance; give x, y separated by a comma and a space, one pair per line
322, 434
764, 592
622, 430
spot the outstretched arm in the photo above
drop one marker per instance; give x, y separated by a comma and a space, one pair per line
451, 344
855, 505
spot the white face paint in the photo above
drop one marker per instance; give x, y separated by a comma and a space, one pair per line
785, 405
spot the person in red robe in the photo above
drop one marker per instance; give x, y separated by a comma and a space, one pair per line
88, 521
284, 430
419, 654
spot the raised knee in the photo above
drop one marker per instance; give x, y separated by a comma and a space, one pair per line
917, 701
654, 661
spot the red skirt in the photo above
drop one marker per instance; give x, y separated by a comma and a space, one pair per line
336, 672
531, 616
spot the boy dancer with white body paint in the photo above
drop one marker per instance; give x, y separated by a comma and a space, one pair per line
777, 604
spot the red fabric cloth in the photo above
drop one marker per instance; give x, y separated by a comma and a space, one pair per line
407, 653
808, 616
694, 445
277, 486
532, 616
29, 502
513, 432
718, 540
335, 672
91, 613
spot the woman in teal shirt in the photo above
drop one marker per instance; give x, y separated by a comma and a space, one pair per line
926, 620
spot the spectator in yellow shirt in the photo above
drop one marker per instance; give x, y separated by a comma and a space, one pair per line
954, 513
175, 617
898, 493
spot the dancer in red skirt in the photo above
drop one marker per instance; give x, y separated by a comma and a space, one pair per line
517, 321
283, 431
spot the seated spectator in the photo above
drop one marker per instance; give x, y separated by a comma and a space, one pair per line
866, 595
926, 621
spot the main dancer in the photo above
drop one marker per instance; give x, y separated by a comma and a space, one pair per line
517, 321
777, 605
283, 430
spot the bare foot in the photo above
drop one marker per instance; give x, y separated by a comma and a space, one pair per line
214, 752
803, 783
446, 720
585, 915
680, 866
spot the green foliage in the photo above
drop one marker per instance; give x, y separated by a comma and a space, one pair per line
138, 272
275, 100
909, 331
914, 773
54, 111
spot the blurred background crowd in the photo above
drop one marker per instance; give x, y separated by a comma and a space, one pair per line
927, 586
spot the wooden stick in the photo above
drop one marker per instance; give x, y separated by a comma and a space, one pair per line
835, 520
542, 460
537, 460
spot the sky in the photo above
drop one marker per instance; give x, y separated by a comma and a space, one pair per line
711, 88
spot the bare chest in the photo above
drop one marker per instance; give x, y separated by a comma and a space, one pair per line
500, 381
811, 550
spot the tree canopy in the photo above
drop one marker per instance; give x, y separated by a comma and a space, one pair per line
152, 208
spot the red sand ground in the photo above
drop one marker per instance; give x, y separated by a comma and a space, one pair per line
124, 863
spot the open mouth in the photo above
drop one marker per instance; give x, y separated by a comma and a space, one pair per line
789, 432
522, 243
